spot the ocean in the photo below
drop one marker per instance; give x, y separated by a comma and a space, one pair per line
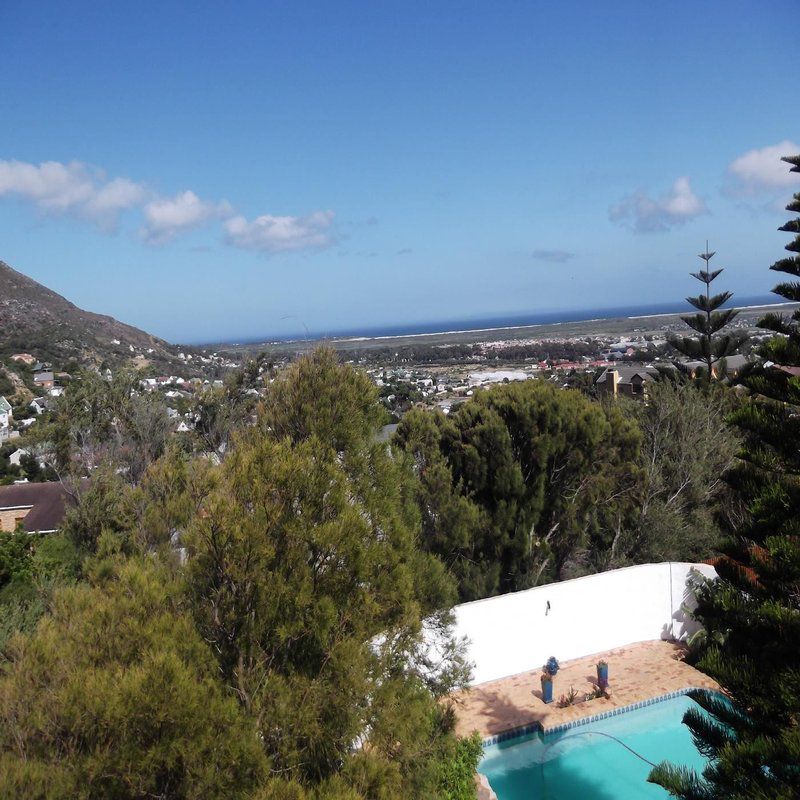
507, 321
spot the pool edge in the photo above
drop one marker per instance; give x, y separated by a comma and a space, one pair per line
537, 727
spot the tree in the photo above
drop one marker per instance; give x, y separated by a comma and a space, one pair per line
687, 447
546, 478
115, 695
218, 412
452, 523
708, 346
317, 397
304, 575
752, 611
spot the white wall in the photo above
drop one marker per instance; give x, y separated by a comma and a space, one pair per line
512, 633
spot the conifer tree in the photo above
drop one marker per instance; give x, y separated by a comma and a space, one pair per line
752, 611
707, 346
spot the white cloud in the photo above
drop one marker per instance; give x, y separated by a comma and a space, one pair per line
85, 192
677, 206
761, 170
74, 188
271, 234
166, 217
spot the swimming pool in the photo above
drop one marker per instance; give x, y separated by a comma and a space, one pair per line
584, 764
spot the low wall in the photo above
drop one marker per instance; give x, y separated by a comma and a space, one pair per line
517, 632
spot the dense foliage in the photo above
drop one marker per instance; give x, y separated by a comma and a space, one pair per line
250, 626
115, 695
687, 448
528, 483
752, 613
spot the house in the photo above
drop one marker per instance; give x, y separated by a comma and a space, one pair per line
6, 417
15, 458
628, 381
733, 366
38, 405
39, 507
45, 379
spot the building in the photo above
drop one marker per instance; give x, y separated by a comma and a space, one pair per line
39, 507
6, 416
628, 381
44, 379
16, 457
733, 366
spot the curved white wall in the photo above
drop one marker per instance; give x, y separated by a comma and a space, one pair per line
515, 633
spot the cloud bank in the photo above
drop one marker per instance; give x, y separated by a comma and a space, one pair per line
85, 192
649, 215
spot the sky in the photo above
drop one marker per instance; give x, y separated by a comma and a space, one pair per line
210, 171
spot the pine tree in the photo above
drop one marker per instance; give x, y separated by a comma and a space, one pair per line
752, 611
708, 322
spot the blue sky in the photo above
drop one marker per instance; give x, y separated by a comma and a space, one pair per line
214, 171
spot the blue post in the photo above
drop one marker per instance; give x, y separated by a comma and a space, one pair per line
547, 691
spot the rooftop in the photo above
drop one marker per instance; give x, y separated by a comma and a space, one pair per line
628, 374
47, 502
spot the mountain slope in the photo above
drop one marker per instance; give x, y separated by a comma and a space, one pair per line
34, 319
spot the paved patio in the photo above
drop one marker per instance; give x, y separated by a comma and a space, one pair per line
636, 672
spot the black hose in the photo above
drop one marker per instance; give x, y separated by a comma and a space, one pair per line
588, 733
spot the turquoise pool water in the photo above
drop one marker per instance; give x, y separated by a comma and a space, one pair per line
567, 766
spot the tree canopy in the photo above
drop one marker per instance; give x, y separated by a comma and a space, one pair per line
511, 492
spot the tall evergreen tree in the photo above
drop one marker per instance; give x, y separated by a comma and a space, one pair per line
708, 346
752, 611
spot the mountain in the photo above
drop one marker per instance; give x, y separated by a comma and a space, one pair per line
36, 320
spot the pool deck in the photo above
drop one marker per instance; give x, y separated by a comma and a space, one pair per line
637, 672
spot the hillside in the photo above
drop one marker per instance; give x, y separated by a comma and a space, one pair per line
37, 320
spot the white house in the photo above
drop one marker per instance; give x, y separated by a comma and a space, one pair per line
37, 405
6, 417
15, 458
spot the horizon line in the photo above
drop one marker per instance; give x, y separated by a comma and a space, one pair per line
450, 326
